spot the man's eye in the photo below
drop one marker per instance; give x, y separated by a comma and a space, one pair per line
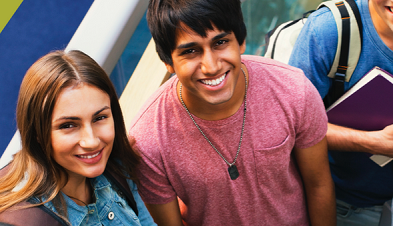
188, 51
221, 42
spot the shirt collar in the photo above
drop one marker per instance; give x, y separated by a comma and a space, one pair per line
77, 212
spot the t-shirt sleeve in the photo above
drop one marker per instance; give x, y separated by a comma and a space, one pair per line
312, 124
154, 188
315, 49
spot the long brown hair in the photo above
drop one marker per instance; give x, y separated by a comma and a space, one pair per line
38, 93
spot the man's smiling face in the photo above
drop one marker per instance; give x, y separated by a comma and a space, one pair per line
207, 67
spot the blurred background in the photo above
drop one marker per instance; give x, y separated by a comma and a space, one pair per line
40, 26
261, 16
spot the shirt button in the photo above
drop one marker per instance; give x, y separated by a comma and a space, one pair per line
91, 211
111, 215
120, 194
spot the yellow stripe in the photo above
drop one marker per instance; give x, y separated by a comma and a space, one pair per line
339, 4
343, 67
7, 10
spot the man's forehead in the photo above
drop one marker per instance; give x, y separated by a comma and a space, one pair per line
185, 32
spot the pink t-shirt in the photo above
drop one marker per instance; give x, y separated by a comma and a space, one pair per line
284, 110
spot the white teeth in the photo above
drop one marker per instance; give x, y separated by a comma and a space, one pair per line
89, 156
214, 82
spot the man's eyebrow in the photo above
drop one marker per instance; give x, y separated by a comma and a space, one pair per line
186, 45
191, 44
222, 35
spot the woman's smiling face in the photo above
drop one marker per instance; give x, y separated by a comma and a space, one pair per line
83, 130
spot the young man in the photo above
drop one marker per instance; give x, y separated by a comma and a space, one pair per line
362, 186
231, 139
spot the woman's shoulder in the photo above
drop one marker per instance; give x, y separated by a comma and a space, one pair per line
20, 214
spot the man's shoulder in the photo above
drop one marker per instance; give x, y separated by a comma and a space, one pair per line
262, 66
271, 77
321, 13
255, 60
322, 22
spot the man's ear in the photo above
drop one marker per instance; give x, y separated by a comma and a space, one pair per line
243, 47
169, 68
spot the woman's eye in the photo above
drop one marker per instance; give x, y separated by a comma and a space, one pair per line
99, 118
66, 126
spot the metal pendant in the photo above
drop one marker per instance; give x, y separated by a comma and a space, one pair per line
233, 173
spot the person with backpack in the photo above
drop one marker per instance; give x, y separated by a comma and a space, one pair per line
76, 165
229, 139
361, 185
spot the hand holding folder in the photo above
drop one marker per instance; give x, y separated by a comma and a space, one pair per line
368, 105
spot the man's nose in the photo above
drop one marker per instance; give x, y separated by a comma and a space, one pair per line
211, 63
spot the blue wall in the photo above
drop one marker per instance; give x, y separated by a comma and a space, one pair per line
37, 27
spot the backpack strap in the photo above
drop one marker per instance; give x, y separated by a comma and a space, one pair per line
349, 30
33, 216
275, 33
279, 45
123, 186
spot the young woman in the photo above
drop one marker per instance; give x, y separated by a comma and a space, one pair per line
76, 166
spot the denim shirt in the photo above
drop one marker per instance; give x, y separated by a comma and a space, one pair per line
110, 207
